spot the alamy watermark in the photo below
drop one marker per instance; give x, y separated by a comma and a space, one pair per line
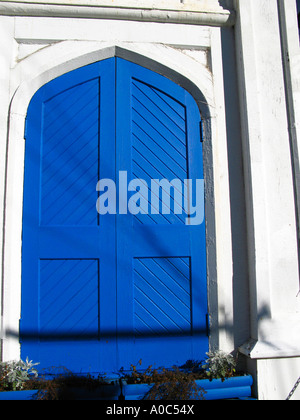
160, 196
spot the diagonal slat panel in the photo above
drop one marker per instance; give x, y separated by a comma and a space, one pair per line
70, 161
159, 145
69, 298
166, 116
162, 299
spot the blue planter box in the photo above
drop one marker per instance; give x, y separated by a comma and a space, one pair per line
17, 395
237, 387
103, 393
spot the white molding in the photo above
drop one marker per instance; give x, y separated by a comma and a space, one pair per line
272, 241
45, 30
291, 66
214, 17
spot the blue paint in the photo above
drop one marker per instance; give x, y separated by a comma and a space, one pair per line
18, 395
102, 292
65, 304
237, 387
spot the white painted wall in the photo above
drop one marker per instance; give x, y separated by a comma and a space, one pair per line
272, 232
6, 47
277, 377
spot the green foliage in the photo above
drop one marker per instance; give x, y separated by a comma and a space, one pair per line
14, 374
168, 384
63, 387
19, 375
175, 385
220, 365
178, 383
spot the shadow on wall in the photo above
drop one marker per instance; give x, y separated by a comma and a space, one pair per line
227, 4
66, 335
298, 12
241, 299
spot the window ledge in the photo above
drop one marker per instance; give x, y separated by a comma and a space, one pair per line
268, 350
277, 339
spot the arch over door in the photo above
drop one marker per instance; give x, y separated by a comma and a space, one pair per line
103, 291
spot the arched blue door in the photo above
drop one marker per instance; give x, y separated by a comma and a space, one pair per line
102, 291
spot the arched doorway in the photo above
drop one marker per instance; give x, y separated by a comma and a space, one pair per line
102, 291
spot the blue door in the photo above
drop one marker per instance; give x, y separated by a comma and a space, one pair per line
103, 291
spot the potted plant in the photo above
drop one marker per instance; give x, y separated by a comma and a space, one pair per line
20, 381
13, 378
216, 379
69, 386
223, 381
161, 384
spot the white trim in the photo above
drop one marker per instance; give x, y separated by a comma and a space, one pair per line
209, 18
46, 30
291, 64
268, 350
272, 241
276, 341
